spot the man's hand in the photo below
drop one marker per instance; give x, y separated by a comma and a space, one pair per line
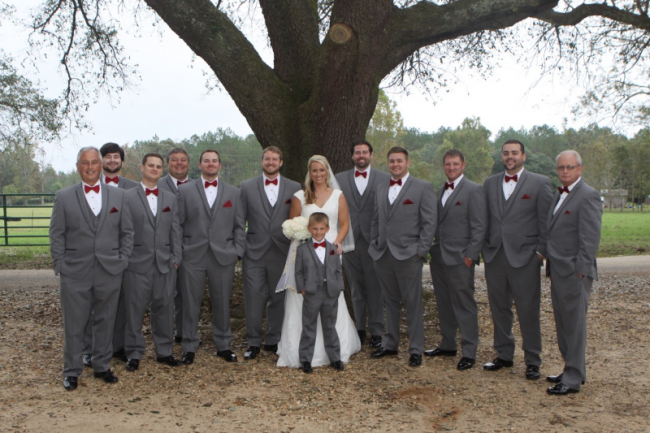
580, 276
176, 266
468, 262
302, 293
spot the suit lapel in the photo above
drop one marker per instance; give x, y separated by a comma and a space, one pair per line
218, 200
317, 262
515, 193
171, 183
278, 203
105, 209
452, 197
201, 190
567, 199
83, 204
358, 198
400, 196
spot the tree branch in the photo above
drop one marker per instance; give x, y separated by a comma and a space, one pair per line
584, 11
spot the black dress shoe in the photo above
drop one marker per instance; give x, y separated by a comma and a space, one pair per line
465, 363
70, 383
88, 360
188, 358
415, 360
108, 376
497, 364
121, 354
169, 360
557, 379
132, 364
362, 336
338, 365
383, 352
532, 372
270, 348
440, 352
306, 367
251, 353
178, 339
561, 389
227, 356
375, 342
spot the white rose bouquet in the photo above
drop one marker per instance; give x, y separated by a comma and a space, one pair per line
296, 228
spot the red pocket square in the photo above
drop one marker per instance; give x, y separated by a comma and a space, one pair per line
332, 253
167, 209
526, 197
113, 210
567, 212
228, 204
458, 203
407, 201
288, 201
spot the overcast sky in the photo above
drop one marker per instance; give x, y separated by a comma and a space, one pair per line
171, 100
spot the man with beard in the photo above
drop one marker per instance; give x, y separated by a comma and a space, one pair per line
359, 186
178, 166
264, 204
518, 202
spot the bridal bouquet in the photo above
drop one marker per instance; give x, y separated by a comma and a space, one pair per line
296, 228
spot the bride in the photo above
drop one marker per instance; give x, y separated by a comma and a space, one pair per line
321, 194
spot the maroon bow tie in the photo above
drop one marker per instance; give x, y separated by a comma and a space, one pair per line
509, 178
213, 183
322, 244
95, 188
115, 180
180, 182
152, 191
357, 173
396, 182
269, 182
562, 189
449, 185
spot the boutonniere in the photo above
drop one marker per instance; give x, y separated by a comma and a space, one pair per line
288, 201
526, 197
458, 203
407, 201
567, 212
113, 210
332, 252
228, 204
167, 209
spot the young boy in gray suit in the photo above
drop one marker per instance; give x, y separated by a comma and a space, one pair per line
319, 279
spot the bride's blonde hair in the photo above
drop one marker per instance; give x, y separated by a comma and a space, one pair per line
309, 184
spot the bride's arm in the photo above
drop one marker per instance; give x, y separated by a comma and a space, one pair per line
344, 223
296, 207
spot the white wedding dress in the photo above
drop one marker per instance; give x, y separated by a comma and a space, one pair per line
292, 325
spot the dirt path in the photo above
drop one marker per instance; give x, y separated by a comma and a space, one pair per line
384, 395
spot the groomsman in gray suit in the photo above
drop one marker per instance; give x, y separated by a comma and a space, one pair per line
515, 246
150, 279
213, 240
264, 203
402, 229
574, 224
91, 240
460, 233
178, 166
359, 186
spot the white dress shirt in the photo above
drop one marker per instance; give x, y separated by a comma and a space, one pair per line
393, 191
210, 192
320, 251
565, 194
151, 199
94, 200
449, 191
271, 190
176, 180
362, 182
109, 184
509, 187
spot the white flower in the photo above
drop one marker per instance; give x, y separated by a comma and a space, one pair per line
296, 228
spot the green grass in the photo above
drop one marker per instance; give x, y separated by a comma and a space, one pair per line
624, 233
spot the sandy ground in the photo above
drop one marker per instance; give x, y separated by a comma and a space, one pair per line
386, 394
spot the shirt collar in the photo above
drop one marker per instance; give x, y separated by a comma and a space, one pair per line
98, 183
403, 179
317, 242
266, 178
178, 180
203, 181
518, 174
573, 185
457, 181
367, 170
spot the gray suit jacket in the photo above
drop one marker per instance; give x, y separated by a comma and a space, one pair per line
462, 223
156, 238
407, 226
520, 223
168, 184
361, 207
574, 232
75, 244
215, 228
311, 274
264, 221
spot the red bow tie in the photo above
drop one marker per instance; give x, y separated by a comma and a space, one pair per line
269, 182
449, 185
322, 244
180, 182
509, 178
357, 173
396, 182
115, 180
152, 191
95, 188
562, 189
213, 183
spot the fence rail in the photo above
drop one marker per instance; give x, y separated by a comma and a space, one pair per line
18, 230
